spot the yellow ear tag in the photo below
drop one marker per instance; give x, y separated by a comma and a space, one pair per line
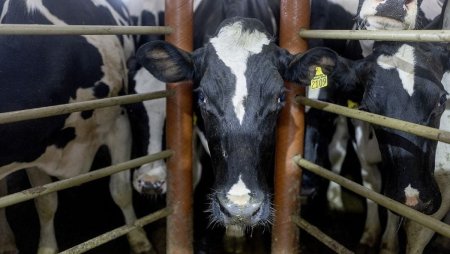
320, 80
352, 104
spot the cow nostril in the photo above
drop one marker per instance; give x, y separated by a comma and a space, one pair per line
256, 211
223, 209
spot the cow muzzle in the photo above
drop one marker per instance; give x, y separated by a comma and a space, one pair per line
242, 211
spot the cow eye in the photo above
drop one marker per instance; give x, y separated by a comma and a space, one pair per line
281, 98
201, 98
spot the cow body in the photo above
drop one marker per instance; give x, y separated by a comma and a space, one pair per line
46, 70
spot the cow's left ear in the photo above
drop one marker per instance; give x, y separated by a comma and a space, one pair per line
166, 62
302, 68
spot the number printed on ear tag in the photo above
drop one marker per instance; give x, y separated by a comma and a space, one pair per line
320, 80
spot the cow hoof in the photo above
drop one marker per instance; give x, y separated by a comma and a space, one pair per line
47, 250
139, 243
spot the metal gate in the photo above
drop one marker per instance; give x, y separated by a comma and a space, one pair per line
290, 132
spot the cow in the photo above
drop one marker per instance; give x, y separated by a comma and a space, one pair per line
39, 71
238, 77
372, 15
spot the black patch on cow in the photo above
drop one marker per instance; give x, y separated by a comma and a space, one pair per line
63, 137
87, 114
101, 90
43, 71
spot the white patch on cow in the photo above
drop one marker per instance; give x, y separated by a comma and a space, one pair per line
442, 161
239, 193
375, 20
350, 6
312, 94
412, 196
196, 4
234, 46
431, 8
4, 10
403, 61
33, 5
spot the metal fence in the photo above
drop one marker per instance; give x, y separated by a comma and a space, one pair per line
294, 14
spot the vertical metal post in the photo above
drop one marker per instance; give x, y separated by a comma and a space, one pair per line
294, 14
179, 15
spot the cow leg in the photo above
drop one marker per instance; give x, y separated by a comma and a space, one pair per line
7, 241
389, 242
337, 151
367, 145
419, 236
119, 143
151, 178
46, 208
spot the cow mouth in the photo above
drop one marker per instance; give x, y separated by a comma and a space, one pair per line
382, 23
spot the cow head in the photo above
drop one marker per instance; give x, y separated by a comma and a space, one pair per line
390, 14
403, 81
239, 85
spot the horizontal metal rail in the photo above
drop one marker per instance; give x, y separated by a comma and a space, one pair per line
379, 35
28, 114
80, 179
416, 129
425, 220
16, 29
118, 232
320, 236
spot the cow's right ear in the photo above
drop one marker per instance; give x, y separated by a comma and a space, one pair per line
166, 62
344, 73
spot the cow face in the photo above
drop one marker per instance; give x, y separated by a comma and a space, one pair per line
239, 85
390, 14
403, 81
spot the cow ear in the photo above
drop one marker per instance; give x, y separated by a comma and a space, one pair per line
303, 67
347, 75
165, 61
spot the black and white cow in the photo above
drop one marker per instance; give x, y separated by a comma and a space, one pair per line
374, 15
239, 83
39, 71
151, 178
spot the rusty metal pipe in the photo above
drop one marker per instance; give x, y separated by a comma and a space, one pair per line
294, 14
179, 15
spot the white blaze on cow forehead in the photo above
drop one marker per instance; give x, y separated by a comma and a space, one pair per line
412, 196
403, 61
234, 46
239, 193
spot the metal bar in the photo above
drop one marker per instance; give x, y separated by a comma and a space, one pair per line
16, 29
380, 35
118, 232
424, 220
290, 134
179, 228
416, 129
320, 236
28, 114
80, 179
